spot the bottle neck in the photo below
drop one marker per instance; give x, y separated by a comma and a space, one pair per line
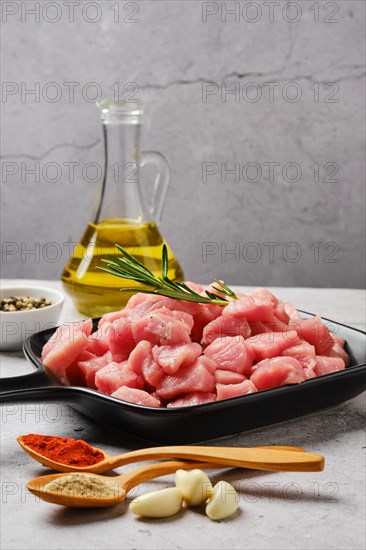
120, 195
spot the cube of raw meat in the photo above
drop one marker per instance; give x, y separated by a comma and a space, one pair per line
109, 318
140, 354
140, 305
99, 340
226, 391
163, 327
201, 315
338, 351
231, 353
265, 295
305, 354
191, 399
292, 312
205, 315
257, 327
228, 377
280, 313
276, 326
120, 339
90, 366
74, 373
141, 362
195, 378
272, 344
278, 307
337, 339
172, 358
225, 325
136, 396
111, 377
141, 298
69, 340
315, 332
278, 371
338, 348
183, 317
301, 349
325, 365
253, 308
152, 373
206, 362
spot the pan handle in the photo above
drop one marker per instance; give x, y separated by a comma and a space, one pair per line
25, 387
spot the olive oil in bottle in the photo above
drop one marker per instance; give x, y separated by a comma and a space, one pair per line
121, 216
96, 292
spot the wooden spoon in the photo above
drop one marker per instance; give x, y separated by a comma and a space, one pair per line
121, 484
265, 458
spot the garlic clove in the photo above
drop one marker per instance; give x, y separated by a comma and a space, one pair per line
195, 486
158, 504
224, 501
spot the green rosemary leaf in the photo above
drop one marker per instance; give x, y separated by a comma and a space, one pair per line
187, 288
164, 262
123, 276
228, 290
132, 259
214, 296
124, 262
172, 294
170, 283
128, 267
221, 290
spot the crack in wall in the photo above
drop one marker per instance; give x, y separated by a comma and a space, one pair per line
307, 77
241, 76
51, 150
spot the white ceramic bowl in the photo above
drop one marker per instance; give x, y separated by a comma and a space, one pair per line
15, 326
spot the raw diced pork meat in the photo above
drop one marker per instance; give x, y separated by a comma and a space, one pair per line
195, 378
231, 353
253, 308
150, 353
291, 312
136, 396
163, 327
225, 325
171, 358
141, 361
315, 332
325, 365
228, 377
195, 398
304, 353
278, 371
99, 344
108, 379
272, 344
257, 327
90, 366
120, 339
69, 340
234, 390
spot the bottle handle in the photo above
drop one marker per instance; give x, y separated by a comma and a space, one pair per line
161, 183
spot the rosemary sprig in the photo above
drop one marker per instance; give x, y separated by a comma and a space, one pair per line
128, 267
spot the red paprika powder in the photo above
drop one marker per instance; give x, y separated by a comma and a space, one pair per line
73, 452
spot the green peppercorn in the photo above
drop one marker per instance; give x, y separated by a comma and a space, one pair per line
21, 303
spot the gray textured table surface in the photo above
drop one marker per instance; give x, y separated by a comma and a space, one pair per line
277, 510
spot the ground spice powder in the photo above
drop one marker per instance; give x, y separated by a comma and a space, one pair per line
72, 452
84, 485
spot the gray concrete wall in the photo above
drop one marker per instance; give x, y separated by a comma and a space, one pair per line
298, 76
